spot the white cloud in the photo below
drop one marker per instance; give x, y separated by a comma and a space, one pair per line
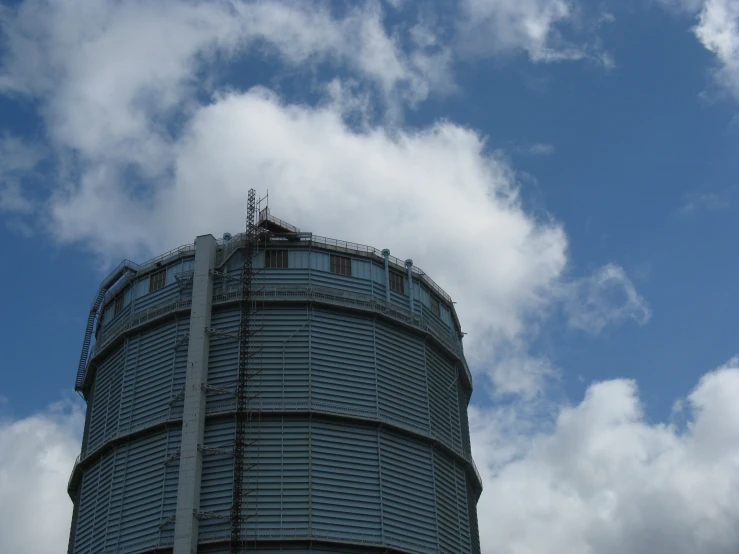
36, 458
61, 52
606, 296
706, 201
135, 187
718, 31
500, 26
515, 373
541, 149
604, 480
432, 194
682, 6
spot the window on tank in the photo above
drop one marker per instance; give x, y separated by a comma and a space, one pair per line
397, 282
435, 309
341, 265
275, 259
157, 280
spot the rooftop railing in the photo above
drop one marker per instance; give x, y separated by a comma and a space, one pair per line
236, 241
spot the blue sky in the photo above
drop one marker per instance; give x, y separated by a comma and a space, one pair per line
566, 170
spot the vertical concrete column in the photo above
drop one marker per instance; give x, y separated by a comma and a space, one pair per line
193, 416
409, 266
386, 255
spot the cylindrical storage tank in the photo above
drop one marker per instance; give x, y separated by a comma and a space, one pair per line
357, 440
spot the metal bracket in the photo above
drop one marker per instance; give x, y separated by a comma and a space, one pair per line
172, 458
180, 341
170, 519
225, 275
217, 390
218, 333
209, 515
212, 450
179, 396
184, 280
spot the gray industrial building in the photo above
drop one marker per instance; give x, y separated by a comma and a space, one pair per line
325, 378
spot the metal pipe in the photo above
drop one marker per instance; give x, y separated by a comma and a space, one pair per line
409, 266
386, 255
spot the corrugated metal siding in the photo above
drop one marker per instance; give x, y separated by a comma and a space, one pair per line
443, 398
276, 278
401, 376
169, 491
110, 319
150, 371
85, 528
474, 528
295, 470
399, 299
126, 494
179, 372
407, 493
378, 290
147, 300
217, 477
140, 482
353, 284
342, 361
281, 455
345, 482
106, 398
463, 418
278, 478
451, 505
282, 361
446, 317
223, 357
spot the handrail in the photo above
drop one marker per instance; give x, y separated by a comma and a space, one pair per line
264, 215
175, 252
234, 243
306, 292
121, 270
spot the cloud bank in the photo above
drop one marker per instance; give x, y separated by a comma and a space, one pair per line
605, 480
36, 458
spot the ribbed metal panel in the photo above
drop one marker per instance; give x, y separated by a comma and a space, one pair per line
359, 431
106, 398
217, 476
345, 482
452, 507
342, 361
443, 398
146, 300
126, 494
282, 357
224, 352
409, 505
150, 368
402, 382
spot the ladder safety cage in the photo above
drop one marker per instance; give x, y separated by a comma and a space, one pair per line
249, 334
